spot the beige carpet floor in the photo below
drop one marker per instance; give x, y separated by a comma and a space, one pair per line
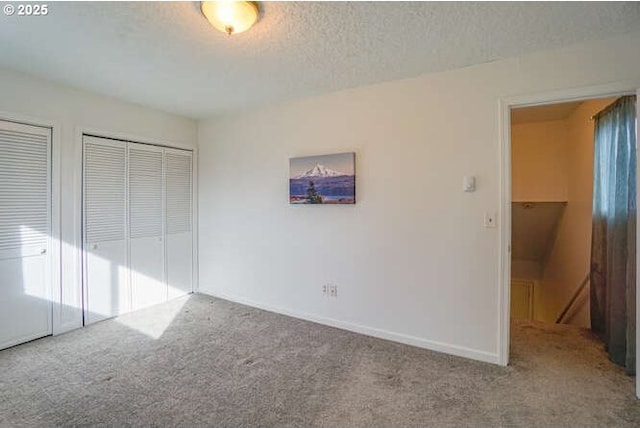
201, 361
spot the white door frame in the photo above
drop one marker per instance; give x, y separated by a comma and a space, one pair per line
505, 105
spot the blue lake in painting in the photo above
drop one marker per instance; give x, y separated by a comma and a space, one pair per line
332, 190
323, 179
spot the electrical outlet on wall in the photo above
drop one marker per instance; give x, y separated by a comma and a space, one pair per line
333, 290
490, 220
330, 290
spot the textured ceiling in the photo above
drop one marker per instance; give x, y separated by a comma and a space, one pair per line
167, 56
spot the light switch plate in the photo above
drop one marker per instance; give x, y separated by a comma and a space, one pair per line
469, 183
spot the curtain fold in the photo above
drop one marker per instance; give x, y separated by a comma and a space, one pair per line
613, 239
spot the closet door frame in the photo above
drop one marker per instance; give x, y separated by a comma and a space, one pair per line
55, 243
79, 188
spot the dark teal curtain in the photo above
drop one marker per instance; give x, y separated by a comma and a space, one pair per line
613, 239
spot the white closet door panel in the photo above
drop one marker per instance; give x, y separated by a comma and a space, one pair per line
24, 301
108, 292
105, 185
25, 248
148, 286
105, 218
145, 190
179, 202
24, 189
180, 267
147, 277
179, 192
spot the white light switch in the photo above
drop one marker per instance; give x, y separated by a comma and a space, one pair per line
469, 183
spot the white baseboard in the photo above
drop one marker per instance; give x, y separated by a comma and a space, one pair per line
446, 348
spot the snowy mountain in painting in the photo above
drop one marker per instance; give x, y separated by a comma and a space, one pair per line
319, 171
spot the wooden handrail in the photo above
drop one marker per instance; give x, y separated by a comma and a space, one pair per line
576, 293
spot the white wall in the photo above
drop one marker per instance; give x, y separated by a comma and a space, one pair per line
412, 259
70, 111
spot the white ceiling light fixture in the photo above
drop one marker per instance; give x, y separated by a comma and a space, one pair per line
231, 17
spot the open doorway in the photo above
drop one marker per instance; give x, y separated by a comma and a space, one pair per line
551, 219
551, 210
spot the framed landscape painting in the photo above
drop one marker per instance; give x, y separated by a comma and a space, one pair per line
324, 179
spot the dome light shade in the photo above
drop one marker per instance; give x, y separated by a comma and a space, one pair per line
231, 17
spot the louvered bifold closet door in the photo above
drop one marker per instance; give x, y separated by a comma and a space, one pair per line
105, 233
148, 285
25, 228
179, 221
